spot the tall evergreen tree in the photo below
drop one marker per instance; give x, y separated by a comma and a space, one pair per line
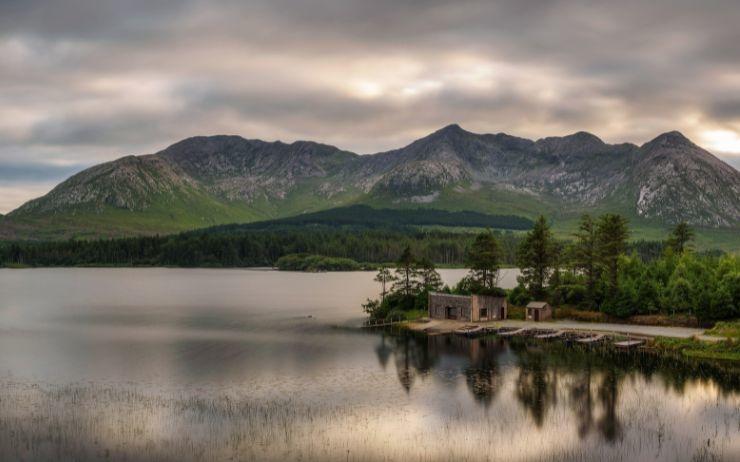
406, 273
555, 280
384, 277
612, 233
680, 238
430, 279
586, 256
483, 258
535, 257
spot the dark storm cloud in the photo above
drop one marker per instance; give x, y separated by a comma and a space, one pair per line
82, 81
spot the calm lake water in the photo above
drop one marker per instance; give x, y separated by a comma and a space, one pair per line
201, 364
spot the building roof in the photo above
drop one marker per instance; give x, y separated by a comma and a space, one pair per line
443, 294
538, 305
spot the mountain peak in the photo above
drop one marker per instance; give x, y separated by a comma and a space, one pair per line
447, 131
576, 143
451, 128
584, 137
669, 139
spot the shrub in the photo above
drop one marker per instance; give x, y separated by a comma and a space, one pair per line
519, 296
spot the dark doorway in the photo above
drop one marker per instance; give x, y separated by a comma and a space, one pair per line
451, 312
484, 313
536, 315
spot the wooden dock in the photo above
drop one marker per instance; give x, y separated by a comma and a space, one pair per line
383, 323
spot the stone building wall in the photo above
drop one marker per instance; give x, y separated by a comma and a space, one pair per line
438, 304
492, 304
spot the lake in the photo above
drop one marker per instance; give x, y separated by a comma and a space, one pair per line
217, 364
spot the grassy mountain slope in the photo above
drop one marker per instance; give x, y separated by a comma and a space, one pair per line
206, 181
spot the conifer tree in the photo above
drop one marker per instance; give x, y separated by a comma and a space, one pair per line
484, 258
430, 279
586, 256
680, 238
535, 257
384, 277
611, 232
406, 273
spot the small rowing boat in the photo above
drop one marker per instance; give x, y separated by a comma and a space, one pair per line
511, 333
470, 331
592, 339
550, 335
629, 344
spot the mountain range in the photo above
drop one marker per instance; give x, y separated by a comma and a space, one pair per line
210, 180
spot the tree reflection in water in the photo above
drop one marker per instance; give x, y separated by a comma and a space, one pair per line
588, 380
582, 401
609, 425
536, 386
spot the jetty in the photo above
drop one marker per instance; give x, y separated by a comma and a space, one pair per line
382, 323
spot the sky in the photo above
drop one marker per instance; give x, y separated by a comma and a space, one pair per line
86, 81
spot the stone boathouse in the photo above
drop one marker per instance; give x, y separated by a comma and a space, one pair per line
467, 307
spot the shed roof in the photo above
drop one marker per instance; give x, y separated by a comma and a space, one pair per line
443, 294
538, 305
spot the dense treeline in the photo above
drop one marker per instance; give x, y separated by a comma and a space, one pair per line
595, 271
252, 247
239, 247
366, 216
315, 263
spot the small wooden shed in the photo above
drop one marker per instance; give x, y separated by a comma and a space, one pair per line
539, 311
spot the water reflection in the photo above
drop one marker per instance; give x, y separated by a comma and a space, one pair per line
586, 382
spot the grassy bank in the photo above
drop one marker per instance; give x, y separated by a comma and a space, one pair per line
728, 350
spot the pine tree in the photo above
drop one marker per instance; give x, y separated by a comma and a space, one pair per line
430, 279
611, 233
406, 273
680, 238
586, 256
484, 258
535, 257
384, 277
555, 276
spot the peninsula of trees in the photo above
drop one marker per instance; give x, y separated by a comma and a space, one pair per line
592, 272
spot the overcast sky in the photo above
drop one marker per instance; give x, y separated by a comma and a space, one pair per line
84, 81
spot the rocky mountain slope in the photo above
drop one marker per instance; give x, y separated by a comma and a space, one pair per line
203, 181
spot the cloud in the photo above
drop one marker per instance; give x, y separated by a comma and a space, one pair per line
36, 172
84, 81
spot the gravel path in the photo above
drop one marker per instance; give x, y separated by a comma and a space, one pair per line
444, 325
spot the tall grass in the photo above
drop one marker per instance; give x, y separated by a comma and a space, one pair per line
86, 422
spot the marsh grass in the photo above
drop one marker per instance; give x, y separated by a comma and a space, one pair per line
88, 421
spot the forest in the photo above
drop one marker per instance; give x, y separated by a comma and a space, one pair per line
263, 247
252, 247
595, 271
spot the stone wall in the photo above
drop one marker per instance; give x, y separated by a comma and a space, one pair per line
492, 304
438, 304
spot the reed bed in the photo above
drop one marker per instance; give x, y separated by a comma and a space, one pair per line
85, 422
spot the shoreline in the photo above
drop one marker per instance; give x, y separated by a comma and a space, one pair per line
446, 326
